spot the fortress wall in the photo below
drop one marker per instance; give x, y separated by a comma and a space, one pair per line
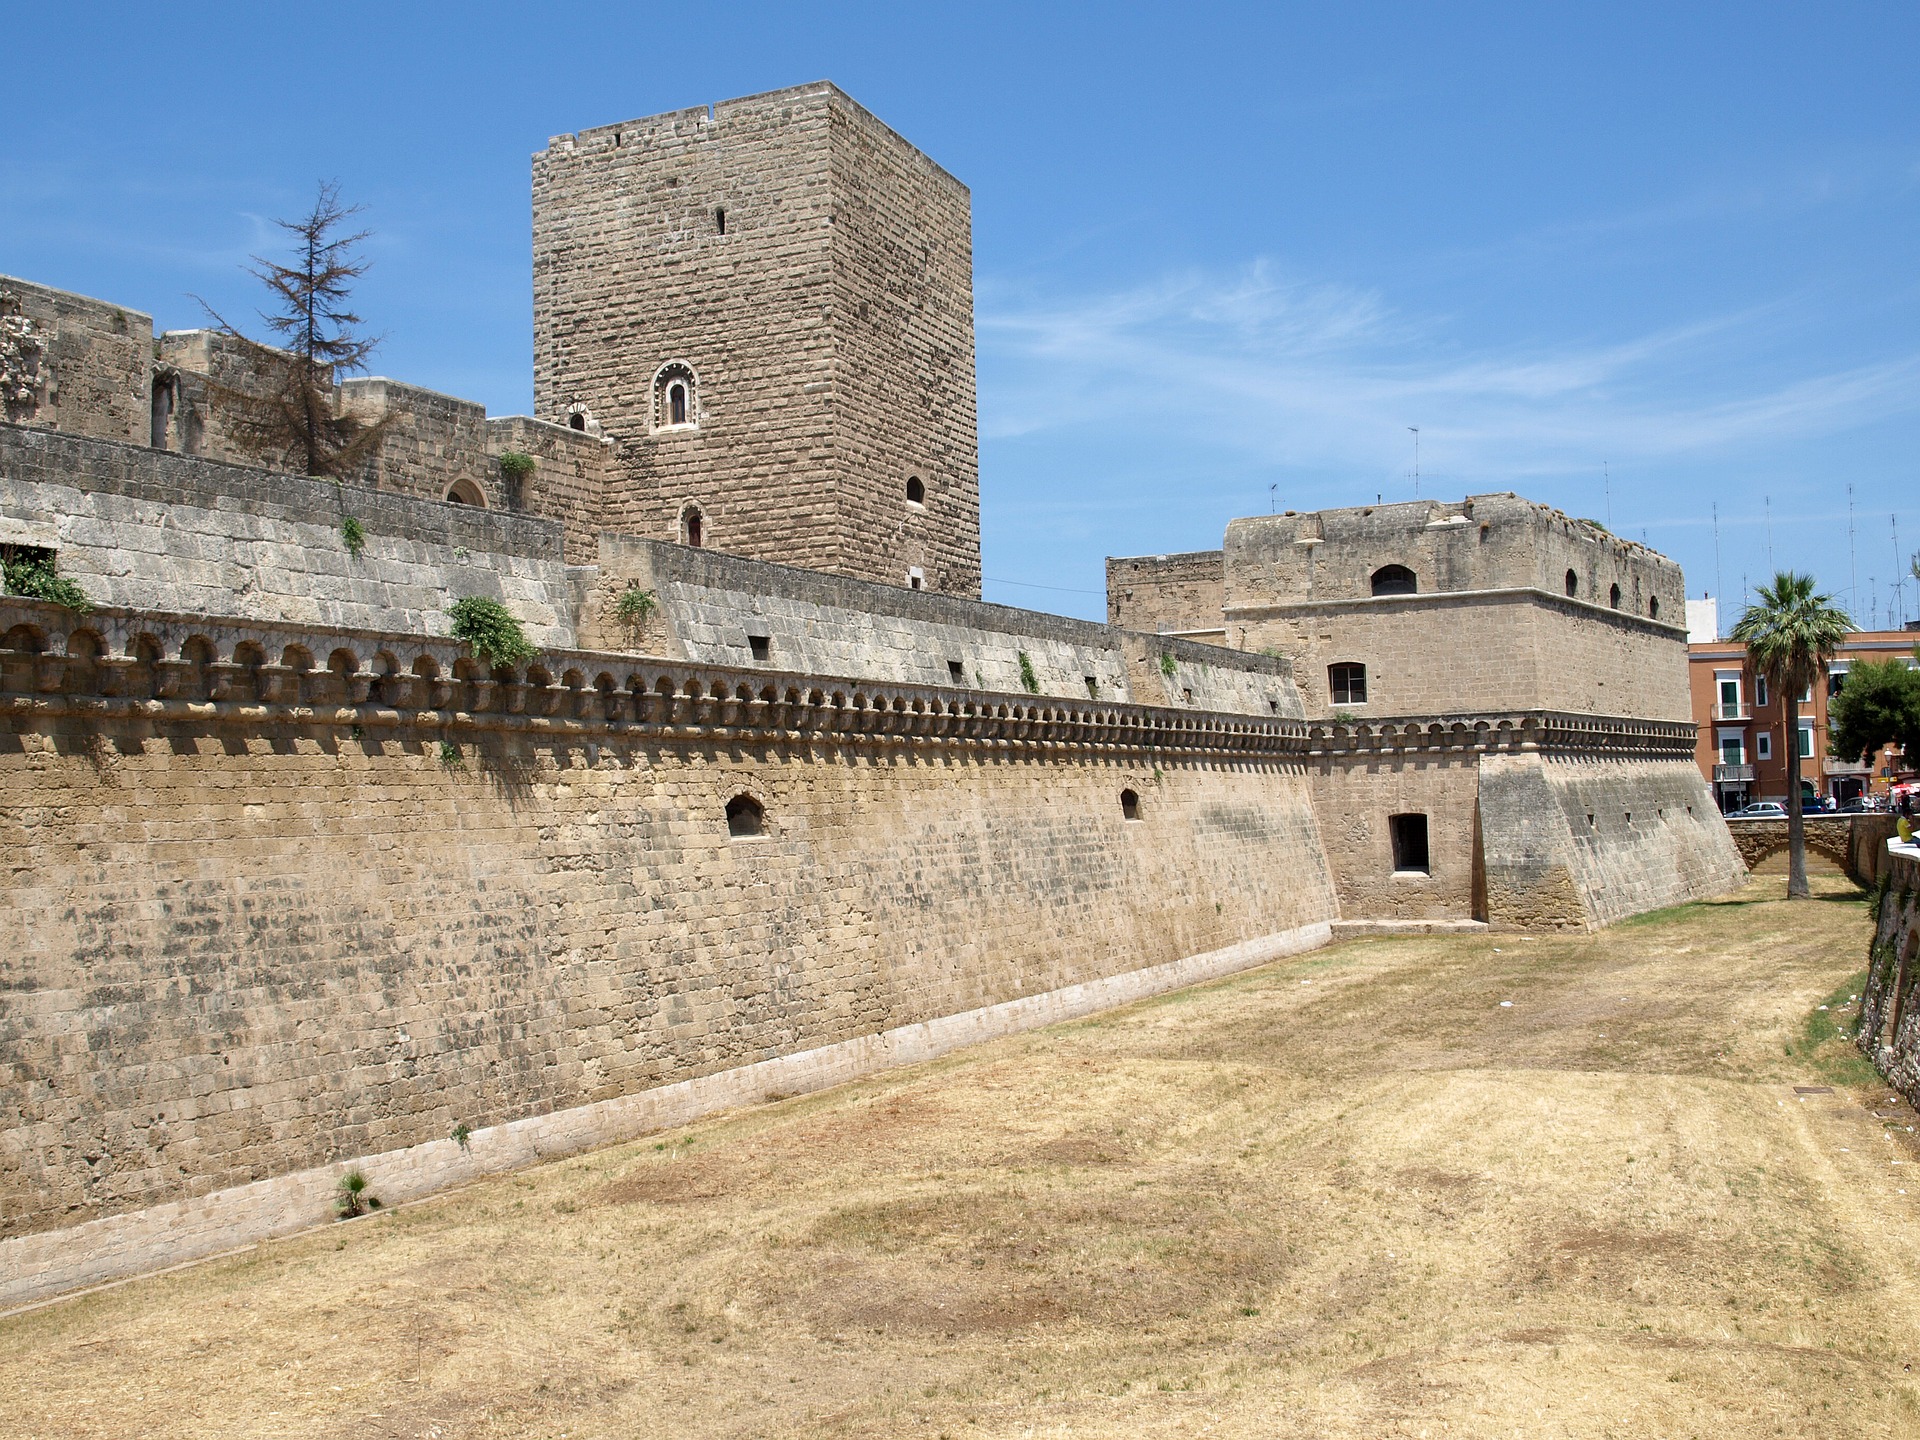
432, 443
254, 944
1889, 1015
1500, 650
1160, 593
1355, 798
1582, 842
75, 364
568, 483
903, 372
711, 604
150, 530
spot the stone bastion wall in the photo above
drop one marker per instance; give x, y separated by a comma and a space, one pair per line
274, 916
1889, 1019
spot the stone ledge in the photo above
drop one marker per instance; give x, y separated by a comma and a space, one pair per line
1377, 929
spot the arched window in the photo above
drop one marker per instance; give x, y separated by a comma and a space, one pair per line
465, 492
1394, 580
1347, 684
693, 527
745, 816
1653, 608
577, 421
1573, 584
1613, 597
676, 397
1129, 805
916, 492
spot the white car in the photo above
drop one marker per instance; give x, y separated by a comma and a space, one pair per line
1761, 810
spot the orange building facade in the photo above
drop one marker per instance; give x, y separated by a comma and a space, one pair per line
1744, 729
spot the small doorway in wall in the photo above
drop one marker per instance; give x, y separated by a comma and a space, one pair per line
1409, 833
693, 527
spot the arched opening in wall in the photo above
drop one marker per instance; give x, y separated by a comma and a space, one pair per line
720, 218
465, 492
693, 527
1613, 597
577, 421
1347, 683
916, 491
1653, 608
1129, 805
1573, 584
1409, 834
1395, 580
745, 817
675, 397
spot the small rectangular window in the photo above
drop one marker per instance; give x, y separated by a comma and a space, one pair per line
1409, 844
1759, 692
761, 645
1347, 684
1806, 742
1762, 746
1093, 687
956, 672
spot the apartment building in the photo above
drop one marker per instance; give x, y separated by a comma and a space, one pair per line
1744, 728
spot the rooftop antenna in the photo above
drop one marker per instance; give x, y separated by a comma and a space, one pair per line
1718, 588
1273, 497
1899, 596
1853, 565
1416, 460
1606, 481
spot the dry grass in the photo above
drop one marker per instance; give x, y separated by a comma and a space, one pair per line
1350, 1195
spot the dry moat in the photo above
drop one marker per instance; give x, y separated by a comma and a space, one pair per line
1587, 1186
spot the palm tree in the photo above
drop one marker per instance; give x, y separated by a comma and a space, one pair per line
1790, 634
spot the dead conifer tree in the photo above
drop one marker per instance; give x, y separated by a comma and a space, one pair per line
288, 413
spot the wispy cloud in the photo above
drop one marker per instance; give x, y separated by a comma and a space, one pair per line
1293, 371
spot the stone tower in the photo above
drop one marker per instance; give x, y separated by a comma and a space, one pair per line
768, 304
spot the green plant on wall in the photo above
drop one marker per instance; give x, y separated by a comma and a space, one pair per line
351, 1197
1027, 677
516, 465
32, 575
634, 606
353, 535
450, 755
1167, 667
491, 631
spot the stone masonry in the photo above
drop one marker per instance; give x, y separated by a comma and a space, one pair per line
809, 274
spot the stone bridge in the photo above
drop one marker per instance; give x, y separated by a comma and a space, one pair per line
1856, 843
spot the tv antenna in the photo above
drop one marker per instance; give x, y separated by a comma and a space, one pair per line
1606, 485
1853, 565
1717, 588
1416, 460
1273, 497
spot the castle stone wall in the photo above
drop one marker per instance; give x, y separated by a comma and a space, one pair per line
73, 363
433, 442
1583, 841
175, 534
839, 281
1167, 593
710, 607
568, 483
1493, 650
306, 936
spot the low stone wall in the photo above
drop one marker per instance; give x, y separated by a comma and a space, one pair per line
1889, 1018
143, 529
1856, 843
711, 607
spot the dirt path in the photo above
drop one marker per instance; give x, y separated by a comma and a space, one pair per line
1505, 1187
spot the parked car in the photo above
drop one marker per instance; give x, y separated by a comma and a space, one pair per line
1859, 805
1761, 810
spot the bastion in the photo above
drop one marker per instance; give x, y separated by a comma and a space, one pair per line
299, 884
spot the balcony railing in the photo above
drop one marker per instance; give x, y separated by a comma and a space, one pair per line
1735, 711
1733, 774
1830, 766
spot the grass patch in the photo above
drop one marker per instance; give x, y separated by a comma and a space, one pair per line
1826, 1037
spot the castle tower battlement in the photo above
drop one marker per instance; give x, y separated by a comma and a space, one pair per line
768, 304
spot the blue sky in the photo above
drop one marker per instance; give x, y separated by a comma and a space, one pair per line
1224, 256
